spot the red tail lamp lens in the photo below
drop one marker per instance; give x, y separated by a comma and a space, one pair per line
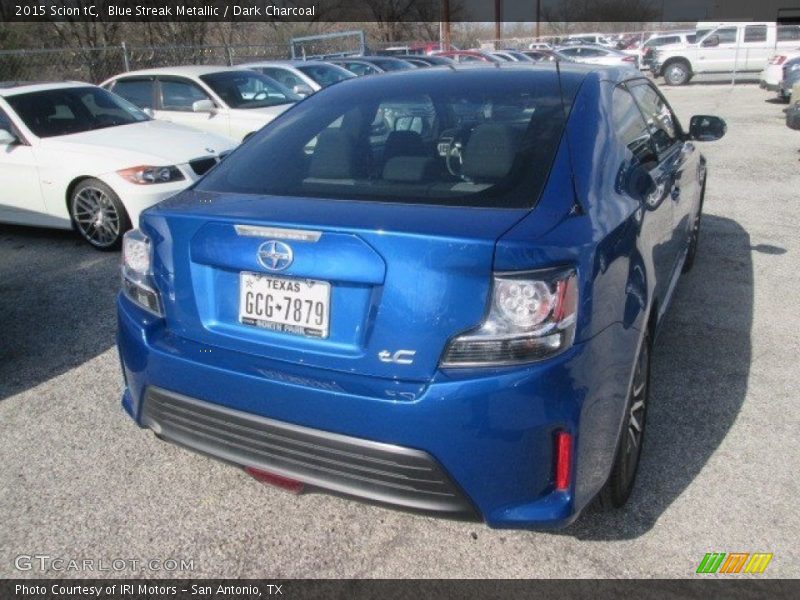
563, 460
290, 485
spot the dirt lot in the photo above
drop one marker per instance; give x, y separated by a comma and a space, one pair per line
79, 480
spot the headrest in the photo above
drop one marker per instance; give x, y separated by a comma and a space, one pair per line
490, 152
334, 156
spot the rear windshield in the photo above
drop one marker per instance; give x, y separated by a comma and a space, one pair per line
469, 139
325, 75
391, 64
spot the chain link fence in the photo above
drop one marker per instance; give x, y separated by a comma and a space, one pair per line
97, 64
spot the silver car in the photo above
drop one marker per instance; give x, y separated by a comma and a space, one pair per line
303, 77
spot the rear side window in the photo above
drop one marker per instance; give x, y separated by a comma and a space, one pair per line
755, 33
660, 120
136, 91
467, 141
630, 126
179, 95
788, 33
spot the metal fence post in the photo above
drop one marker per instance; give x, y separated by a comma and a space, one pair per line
125, 60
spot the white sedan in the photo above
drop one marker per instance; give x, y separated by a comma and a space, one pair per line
73, 155
228, 101
597, 55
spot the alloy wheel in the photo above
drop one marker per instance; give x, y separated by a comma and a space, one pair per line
96, 217
634, 434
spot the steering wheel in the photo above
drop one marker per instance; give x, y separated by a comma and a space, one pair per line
262, 95
451, 147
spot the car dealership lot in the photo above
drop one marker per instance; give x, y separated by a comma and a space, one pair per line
79, 480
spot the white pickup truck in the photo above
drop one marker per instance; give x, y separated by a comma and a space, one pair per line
726, 48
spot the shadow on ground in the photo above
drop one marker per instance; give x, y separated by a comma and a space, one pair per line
700, 370
56, 305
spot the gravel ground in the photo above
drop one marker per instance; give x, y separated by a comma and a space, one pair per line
719, 471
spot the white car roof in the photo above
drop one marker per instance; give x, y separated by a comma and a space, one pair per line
12, 88
284, 63
186, 71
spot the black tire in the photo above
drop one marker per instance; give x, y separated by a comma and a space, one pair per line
618, 488
98, 214
677, 72
694, 239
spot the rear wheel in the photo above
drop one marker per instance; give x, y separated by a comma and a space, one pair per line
677, 73
629, 447
98, 214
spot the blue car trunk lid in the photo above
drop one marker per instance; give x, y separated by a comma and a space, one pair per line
403, 279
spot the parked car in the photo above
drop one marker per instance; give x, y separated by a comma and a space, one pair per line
511, 56
448, 310
790, 80
773, 74
303, 77
429, 61
471, 56
227, 101
73, 155
371, 65
547, 56
741, 47
680, 38
600, 39
540, 46
595, 55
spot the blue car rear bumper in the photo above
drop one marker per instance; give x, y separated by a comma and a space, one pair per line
492, 433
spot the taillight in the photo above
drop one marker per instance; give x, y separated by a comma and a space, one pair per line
777, 60
137, 272
531, 317
563, 460
629, 59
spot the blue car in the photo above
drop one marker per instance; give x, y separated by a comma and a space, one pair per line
437, 289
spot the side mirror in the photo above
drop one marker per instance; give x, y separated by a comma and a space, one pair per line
711, 41
203, 106
7, 138
704, 128
302, 89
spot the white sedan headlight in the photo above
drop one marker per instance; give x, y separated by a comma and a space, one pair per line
145, 174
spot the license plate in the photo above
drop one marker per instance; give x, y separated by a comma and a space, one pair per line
298, 306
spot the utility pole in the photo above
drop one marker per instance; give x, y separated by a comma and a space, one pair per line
538, 18
444, 26
498, 19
